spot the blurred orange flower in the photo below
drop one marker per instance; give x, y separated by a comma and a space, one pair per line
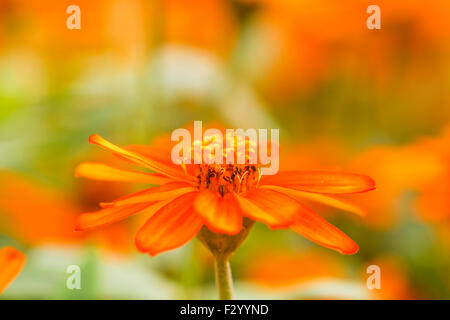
396, 170
35, 214
308, 267
422, 166
264, 268
204, 24
304, 35
395, 284
105, 25
217, 196
311, 41
11, 263
433, 202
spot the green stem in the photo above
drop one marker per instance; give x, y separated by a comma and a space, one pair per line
222, 247
224, 280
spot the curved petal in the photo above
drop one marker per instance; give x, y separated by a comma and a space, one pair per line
11, 263
141, 160
315, 228
160, 154
171, 227
331, 201
103, 172
321, 182
273, 208
159, 193
106, 216
221, 214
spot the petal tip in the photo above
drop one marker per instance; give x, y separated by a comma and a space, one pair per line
12, 262
94, 138
138, 244
348, 249
372, 183
78, 170
352, 250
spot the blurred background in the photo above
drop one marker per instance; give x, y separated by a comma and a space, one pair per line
345, 97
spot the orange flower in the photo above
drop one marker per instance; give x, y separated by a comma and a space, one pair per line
218, 197
47, 216
396, 170
395, 283
11, 262
41, 25
306, 268
421, 166
205, 24
264, 268
433, 203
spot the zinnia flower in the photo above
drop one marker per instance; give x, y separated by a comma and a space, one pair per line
11, 263
220, 198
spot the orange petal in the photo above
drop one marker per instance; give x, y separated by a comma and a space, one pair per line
171, 227
159, 193
221, 214
321, 182
315, 228
273, 208
107, 216
160, 154
103, 172
11, 263
331, 201
140, 159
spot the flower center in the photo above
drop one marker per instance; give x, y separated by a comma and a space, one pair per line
228, 168
227, 177
224, 177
